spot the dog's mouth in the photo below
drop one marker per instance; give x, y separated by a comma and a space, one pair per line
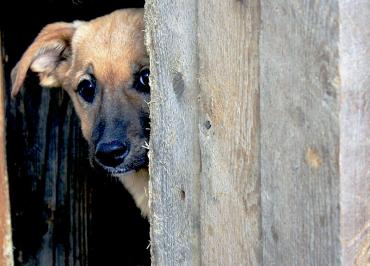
126, 168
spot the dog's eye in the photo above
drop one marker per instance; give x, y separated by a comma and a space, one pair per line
86, 89
142, 83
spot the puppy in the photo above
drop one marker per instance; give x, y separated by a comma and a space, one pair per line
104, 67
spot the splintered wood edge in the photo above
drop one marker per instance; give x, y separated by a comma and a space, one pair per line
6, 254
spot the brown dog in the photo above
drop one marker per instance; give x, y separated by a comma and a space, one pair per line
104, 67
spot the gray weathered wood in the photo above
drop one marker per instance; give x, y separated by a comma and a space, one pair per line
260, 146
6, 246
355, 131
230, 214
205, 152
175, 153
300, 97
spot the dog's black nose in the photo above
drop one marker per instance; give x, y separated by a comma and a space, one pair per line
112, 154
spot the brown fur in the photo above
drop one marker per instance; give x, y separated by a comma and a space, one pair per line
112, 48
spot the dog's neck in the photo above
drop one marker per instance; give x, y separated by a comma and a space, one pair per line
137, 184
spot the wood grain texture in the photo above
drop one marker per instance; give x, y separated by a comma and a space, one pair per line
204, 188
174, 147
355, 131
282, 126
228, 33
6, 244
300, 96
50, 197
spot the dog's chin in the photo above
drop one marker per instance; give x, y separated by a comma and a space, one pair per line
121, 170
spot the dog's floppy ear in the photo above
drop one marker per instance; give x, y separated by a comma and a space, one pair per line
47, 55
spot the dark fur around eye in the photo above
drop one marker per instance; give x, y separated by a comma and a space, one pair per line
86, 89
142, 81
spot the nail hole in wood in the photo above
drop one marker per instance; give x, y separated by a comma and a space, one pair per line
207, 124
182, 194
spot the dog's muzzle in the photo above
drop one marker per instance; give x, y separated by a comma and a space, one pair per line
112, 154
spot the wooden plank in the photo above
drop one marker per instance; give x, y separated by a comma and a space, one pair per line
355, 131
300, 97
174, 145
204, 154
6, 245
228, 33
47, 186
312, 134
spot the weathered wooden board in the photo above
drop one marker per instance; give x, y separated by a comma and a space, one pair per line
204, 191
50, 185
230, 215
355, 131
6, 245
175, 153
300, 100
266, 140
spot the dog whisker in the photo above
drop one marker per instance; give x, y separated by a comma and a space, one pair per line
146, 145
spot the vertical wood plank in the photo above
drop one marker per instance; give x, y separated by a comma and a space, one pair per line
205, 186
174, 147
228, 33
300, 97
355, 131
6, 246
303, 161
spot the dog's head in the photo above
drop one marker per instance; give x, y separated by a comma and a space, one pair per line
104, 67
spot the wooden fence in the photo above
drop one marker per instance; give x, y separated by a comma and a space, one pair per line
260, 146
